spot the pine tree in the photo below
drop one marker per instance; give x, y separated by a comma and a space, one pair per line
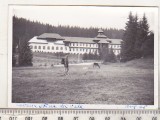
25, 53
129, 38
148, 46
143, 30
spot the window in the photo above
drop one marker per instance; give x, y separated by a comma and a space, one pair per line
56, 48
66, 48
77, 44
73, 49
39, 47
90, 45
43, 47
73, 44
61, 48
77, 49
35, 47
48, 48
52, 48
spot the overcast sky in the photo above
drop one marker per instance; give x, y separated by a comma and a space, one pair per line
85, 16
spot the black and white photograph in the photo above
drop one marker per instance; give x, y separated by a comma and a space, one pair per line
84, 55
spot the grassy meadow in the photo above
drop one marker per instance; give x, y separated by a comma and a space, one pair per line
114, 83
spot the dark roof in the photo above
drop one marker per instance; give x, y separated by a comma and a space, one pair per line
115, 41
50, 36
79, 39
91, 40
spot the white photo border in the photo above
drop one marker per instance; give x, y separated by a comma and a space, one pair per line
80, 106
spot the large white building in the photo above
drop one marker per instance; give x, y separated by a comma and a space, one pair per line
53, 43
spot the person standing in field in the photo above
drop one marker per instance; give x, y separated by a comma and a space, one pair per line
66, 64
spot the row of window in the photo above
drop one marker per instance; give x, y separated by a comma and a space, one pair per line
82, 50
47, 47
115, 46
65, 48
93, 45
83, 44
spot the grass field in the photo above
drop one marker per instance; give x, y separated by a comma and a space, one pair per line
115, 83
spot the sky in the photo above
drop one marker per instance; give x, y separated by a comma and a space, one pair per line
85, 16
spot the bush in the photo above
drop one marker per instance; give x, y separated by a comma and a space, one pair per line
90, 56
110, 57
60, 54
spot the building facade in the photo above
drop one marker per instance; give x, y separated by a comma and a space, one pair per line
53, 43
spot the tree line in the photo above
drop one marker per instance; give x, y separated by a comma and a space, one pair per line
138, 41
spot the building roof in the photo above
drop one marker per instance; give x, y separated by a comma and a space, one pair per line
86, 40
79, 39
43, 39
101, 34
50, 36
35, 40
115, 41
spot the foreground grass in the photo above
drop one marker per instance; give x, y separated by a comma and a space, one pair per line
118, 83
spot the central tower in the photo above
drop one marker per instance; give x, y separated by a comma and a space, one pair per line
101, 34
